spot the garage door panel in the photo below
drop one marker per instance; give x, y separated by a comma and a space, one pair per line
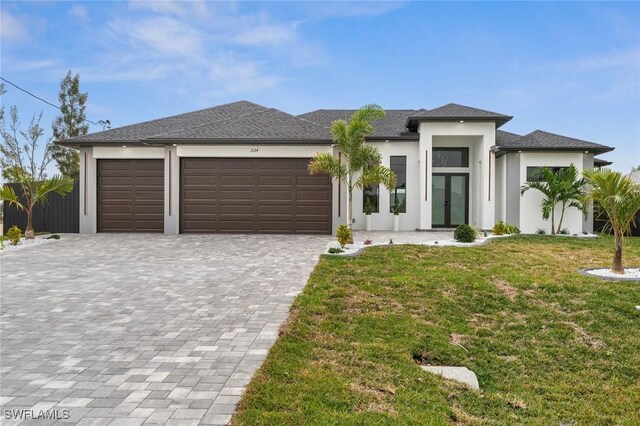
130, 195
253, 195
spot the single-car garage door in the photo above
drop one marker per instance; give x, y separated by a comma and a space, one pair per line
130, 195
253, 195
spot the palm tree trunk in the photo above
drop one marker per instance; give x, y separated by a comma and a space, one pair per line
553, 220
617, 256
561, 217
28, 232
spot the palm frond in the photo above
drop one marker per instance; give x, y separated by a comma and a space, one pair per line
9, 195
328, 164
375, 175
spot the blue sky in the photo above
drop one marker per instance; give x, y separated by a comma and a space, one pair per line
568, 68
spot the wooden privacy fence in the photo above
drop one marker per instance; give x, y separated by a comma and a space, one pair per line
57, 214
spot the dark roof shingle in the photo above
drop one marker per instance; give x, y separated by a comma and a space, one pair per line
540, 140
456, 112
392, 125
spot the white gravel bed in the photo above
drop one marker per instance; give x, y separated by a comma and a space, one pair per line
357, 246
40, 239
629, 273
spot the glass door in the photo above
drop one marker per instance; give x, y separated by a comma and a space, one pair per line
450, 199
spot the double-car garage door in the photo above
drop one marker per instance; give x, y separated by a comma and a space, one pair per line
253, 195
244, 195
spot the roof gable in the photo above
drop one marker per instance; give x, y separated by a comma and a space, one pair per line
541, 140
453, 111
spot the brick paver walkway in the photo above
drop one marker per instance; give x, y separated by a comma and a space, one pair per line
131, 329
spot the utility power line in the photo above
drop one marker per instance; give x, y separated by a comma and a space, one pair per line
105, 123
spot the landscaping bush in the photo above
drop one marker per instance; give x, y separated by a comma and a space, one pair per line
53, 237
335, 250
14, 234
565, 231
512, 229
541, 231
344, 235
368, 242
499, 228
464, 234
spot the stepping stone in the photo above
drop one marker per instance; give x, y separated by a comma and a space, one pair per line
459, 374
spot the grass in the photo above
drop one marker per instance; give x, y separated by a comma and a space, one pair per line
549, 346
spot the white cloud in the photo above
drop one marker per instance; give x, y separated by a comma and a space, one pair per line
18, 65
268, 35
163, 34
620, 59
12, 28
164, 7
79, 12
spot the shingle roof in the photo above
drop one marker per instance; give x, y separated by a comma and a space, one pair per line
392, 125
456, 112
506, 138
146, 129
539, 139
269, 124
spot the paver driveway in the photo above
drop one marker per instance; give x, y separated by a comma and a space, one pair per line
127, 329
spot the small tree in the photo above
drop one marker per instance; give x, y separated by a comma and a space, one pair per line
358, 158
70, 123
558, 187
617, 200
20, 164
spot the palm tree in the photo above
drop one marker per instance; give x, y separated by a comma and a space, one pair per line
559, 186
34, 191
20, 165
617, 198
359, 166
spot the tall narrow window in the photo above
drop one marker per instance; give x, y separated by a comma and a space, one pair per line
371, 196
398, 195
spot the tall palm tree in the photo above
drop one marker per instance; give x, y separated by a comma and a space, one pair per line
558, 187
359, 166
617, 199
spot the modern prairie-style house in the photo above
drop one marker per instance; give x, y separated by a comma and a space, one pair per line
242, 167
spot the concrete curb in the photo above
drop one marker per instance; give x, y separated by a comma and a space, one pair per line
584, 271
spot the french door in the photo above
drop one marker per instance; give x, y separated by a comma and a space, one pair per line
450, 199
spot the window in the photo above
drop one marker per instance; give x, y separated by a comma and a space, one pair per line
399, 193
371, 193
534, 174
450, 157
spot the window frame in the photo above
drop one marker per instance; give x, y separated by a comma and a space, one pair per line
393, 194
530, 169
375, 197
462, 149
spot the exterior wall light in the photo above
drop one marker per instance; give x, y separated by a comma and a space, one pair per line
462, 121
124, 146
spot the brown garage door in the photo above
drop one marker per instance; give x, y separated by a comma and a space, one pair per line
130, 195
253, 195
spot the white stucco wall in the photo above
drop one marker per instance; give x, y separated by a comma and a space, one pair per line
383, 220
530, 211
481, 204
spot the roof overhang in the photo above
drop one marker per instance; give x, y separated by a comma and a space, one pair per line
413, 122
501, 150
70, 143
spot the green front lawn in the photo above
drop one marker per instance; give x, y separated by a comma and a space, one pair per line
548, 345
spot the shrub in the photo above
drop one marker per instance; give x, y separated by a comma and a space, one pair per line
464, 234
344, 235
512, 229
335, 250
53, 237
368, 242
565, 231
14, 234
368, 206
499, 228
541, 231
397, 206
